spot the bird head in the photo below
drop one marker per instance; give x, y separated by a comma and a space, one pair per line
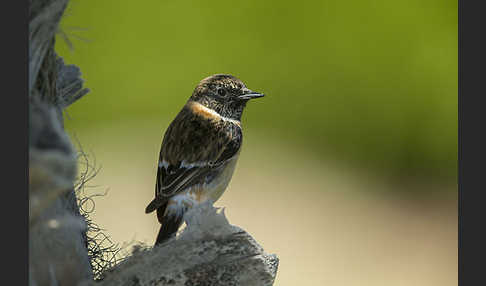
225, 94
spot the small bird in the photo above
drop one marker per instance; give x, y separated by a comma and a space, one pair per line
199, 150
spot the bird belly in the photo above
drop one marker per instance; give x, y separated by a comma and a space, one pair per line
218, 185
210, 189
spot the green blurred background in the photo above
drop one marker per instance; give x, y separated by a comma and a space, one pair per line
360, 118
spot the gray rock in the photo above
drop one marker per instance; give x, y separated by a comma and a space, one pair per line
208, 251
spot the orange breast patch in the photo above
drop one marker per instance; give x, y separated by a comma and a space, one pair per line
203, 111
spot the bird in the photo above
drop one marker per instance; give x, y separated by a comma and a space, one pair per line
199, 150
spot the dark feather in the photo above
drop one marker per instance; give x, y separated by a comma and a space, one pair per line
161, 212
155, 203
169, 228
170, 182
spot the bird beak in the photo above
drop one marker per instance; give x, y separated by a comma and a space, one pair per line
249, 94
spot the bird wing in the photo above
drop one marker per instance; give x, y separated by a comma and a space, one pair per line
171, 182
187, 157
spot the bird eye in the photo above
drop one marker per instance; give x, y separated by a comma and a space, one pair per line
221, 92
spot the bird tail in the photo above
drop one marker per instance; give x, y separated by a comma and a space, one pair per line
170, 225
155, 204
